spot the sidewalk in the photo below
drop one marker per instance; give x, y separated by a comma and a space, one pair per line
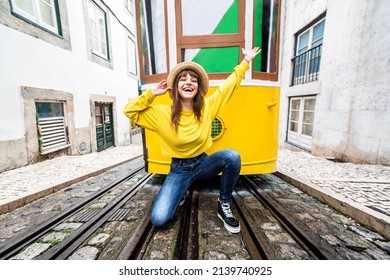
23, 185
359, 191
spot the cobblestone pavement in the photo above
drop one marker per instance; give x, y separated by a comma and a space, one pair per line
354, 189
360, 191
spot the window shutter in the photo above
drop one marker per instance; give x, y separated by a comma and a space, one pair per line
52, 134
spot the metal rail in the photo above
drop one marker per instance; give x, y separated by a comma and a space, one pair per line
12, 247
69, 245
134, 248
300, 232
187, 245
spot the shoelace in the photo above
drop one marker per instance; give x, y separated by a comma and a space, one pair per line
226, 210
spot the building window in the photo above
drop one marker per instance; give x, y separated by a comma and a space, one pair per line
43, 13
51, 126
131, 56
98, 30
308, 50
301, 120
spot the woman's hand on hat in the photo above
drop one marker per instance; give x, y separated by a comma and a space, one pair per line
250, 54
161, 88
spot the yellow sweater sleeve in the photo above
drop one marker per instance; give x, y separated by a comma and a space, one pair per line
222, 95
140, 111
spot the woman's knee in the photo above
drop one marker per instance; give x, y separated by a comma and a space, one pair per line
233, 156
157, 219
159, 216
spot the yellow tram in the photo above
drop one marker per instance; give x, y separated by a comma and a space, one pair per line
212, 34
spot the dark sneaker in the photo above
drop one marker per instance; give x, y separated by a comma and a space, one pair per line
226, 216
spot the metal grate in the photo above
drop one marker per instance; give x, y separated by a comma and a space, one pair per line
306, 66
216, 128
119, 215
52, 133
87, 215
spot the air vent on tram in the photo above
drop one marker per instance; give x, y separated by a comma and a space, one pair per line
217, 128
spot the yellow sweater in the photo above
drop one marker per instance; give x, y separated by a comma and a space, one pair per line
192, 137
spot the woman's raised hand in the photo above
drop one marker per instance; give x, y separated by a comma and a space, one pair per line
250, 54
161, 88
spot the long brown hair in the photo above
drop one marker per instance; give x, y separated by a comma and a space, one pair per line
176, 98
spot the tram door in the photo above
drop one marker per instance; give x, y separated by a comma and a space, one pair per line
104, 126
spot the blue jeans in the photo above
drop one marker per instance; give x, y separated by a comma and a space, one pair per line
184, 172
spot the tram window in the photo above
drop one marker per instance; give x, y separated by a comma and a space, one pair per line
213, 60
152, 37
204, 28
209, 17
211, 33
265, 35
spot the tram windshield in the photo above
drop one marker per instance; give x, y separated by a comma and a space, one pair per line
210, 33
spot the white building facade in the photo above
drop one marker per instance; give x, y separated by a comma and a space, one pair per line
67, 70
335, 79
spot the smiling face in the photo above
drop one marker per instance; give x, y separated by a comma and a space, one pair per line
187, 94
187, 85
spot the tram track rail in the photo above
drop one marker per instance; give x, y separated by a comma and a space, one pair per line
186, 245
301, 234
188, 241
185, 236
14, 246
69, 245
136, 245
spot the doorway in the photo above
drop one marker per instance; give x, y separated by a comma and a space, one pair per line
104, 126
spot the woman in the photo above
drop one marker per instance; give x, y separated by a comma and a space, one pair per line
184, 129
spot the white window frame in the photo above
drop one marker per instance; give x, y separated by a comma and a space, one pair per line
101, 37
310, 45
131, 56
36, 17
297, 137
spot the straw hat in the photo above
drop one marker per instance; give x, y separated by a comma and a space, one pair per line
197, 68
